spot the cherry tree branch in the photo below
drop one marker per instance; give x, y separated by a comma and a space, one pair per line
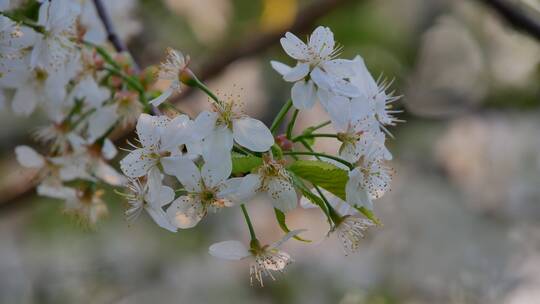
515, 16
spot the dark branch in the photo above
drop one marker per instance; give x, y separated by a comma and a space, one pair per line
516, 17
119, 46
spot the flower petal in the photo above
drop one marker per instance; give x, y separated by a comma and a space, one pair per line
287, 237
185, 212
160, 217
108, 174
322, 41
229, 250
252, 134
303, 94
136, 163
146, 130
294, 47
185, 171
354, 190
281, 68
228, 188
204, 124
108, 151
217, 146
282, 193
248, 188
215, 173
298, 72
163, 97
28, 157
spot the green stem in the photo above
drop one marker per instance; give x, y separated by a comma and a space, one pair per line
308, 147
311, 135
331, 212
206, 90
25, 21
322, 125
291, 124
248, 221
281, 115
346, 163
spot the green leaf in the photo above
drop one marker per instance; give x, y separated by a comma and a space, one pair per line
280, 217
309, 195
369, 214
244, 164
323, 174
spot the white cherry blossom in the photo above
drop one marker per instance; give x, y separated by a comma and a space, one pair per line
267, 260
369, 181
270, 178
160, 137
152, 199
375, 93
317, 68
208, 189
56, 47
226, 125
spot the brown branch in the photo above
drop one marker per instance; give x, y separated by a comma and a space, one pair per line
304, 22
515, 17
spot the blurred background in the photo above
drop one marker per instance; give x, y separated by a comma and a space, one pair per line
461, 224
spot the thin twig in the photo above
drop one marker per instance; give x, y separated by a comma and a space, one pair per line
516, 17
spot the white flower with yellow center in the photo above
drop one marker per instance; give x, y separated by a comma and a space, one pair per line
150, 198
267, 260
208, 189
369, 181
160, 137
224, 126
270, 178
316, 69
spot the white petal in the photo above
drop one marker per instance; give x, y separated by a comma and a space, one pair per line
160, 217
108, 151
136, 163
338, 108
160, 197
185, 171
298, 72
280, 67
178, 132
204, 124
294, 47
322, 41
252, 134
185, 212
108, 174
215, 173
28, 157
229, 250
24, 102
341, 68
248, 188
100, 122
303, 95
229, 188
355, 192
217, 146
322, 79
163, 97
59, 192
282, 193
146, 130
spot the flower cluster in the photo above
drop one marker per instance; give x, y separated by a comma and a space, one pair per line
180, 169
84, 92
